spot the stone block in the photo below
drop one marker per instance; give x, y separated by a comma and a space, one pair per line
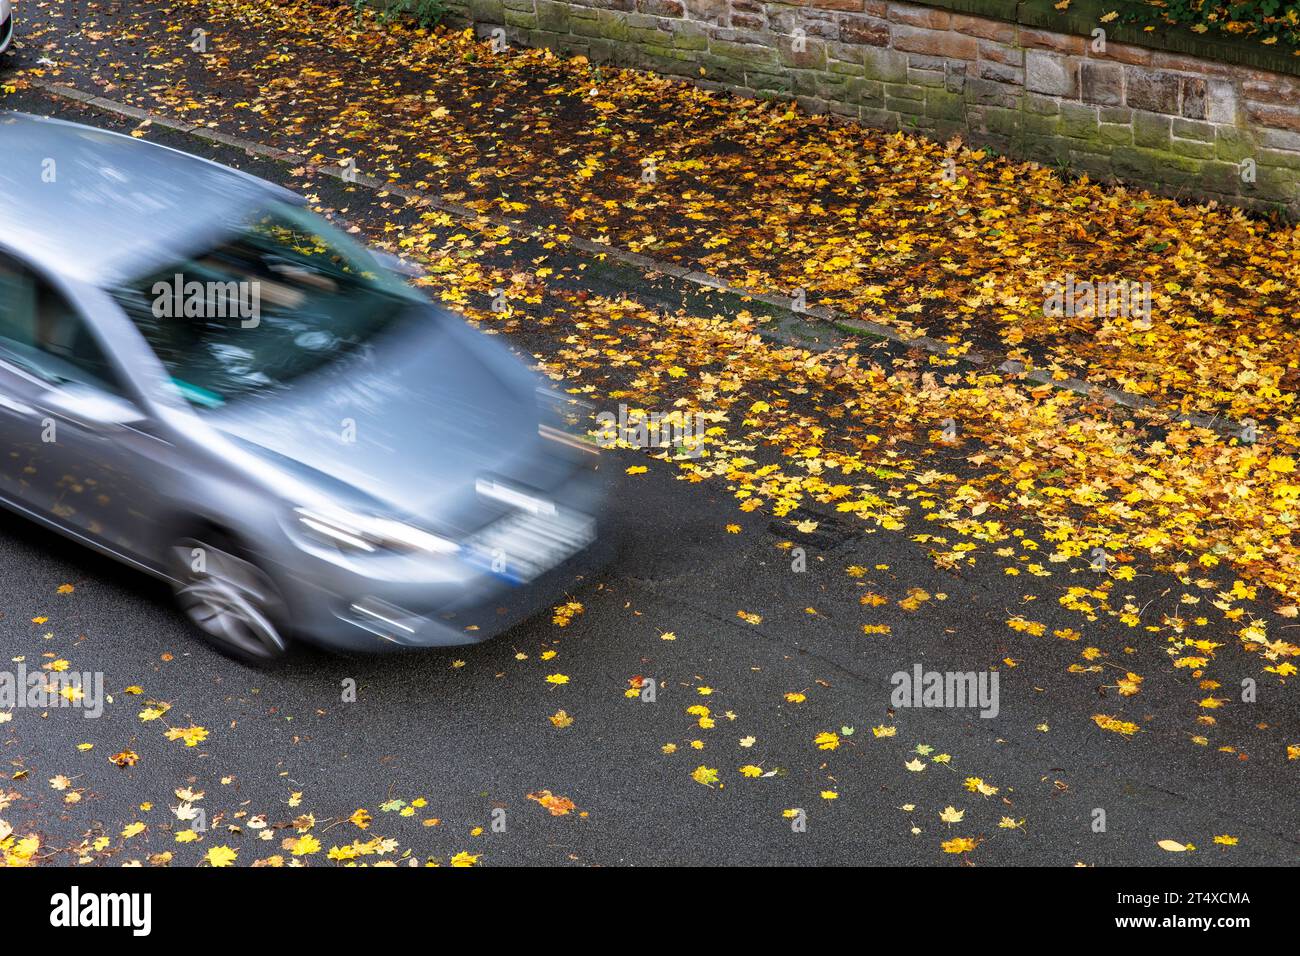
927, 17
1115, 134
1232, 144
1151, 130
887, 65
1153, 90
944, 43
1195, 148
1101, 83
1189, 129
1056, 42
1049, 73
863, 31
1078, 120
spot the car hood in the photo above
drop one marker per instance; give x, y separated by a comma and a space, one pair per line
408, 424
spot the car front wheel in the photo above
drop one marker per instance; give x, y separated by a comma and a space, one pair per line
232, 601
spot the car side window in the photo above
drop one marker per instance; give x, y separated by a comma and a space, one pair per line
41, 332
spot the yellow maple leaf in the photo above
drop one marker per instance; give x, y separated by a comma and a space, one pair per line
1115, 725
566, 612
192, 735
557, 806
1129, 685
827, 740
705, 775
220, 856
303, 845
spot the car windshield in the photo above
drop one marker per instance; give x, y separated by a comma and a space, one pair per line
284, 296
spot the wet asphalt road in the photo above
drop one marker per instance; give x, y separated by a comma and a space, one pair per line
467, 730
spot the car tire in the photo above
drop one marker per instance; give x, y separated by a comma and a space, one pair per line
231, 601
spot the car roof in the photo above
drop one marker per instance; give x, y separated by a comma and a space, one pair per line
102, 208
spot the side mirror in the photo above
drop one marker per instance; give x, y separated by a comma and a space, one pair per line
90, 406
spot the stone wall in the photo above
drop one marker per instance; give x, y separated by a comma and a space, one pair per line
1156, 117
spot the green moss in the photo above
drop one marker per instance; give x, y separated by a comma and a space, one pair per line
1116, 134
944, 105
1233, 144
1078, 121
1151, 130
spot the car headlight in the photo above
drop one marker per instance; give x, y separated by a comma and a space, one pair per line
369, 533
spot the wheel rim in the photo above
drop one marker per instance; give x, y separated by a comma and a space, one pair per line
229, 599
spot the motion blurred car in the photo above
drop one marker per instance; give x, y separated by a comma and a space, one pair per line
206, 381
6, 25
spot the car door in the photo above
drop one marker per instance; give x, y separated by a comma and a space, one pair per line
73, 443
20, 384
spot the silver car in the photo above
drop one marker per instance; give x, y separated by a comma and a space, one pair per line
6, 25
202, 379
